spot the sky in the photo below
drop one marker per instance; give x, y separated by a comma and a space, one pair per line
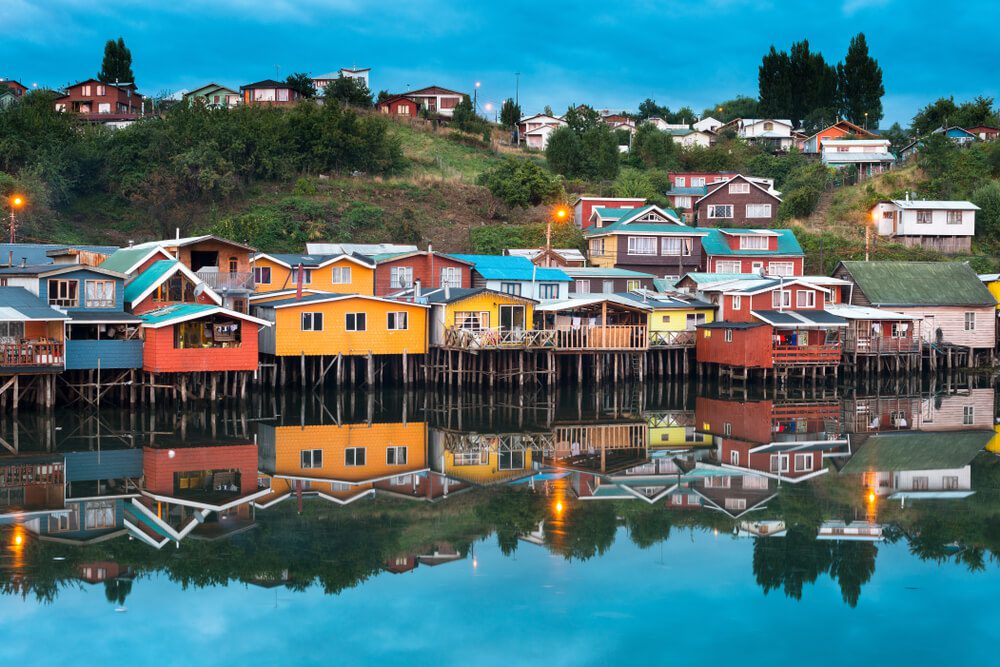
607, 54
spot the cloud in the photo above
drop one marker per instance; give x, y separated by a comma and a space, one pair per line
851, 7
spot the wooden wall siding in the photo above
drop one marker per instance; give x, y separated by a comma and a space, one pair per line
362, 279
659, 265
290, 340
426, 269
619, 284
765, 301
487, 302
82, 276
950, 414
106, 354
748, 420
225, 251
333, 440
761, 461
104, 464
948, 244
159, 467
750, 348
747, 262
951, 321
160, 355
676, 319
739, 202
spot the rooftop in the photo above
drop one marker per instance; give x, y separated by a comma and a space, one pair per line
506, 267
887, 283
916, 450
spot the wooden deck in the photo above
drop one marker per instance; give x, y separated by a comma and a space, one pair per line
806, 355
31, 355
671, 339
456, 338
618, 337
882, 345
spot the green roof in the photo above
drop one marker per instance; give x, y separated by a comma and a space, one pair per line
919, 283
124, 259
175, 312
715, 243
148, 278
917, 450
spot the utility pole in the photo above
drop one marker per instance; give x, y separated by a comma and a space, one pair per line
517, 88
276, 68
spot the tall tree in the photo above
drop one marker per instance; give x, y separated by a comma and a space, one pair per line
774, 83
302, 83
860, 82
117, 63
582, 117
349, 90
510, 114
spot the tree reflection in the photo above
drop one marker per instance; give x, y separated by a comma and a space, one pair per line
585, 531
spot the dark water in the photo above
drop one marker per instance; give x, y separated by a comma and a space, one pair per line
658, 524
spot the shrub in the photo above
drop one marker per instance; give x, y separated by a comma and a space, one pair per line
522, 183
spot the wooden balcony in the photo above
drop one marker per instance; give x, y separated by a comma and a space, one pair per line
31, 354
228, 281
457, 338
671, 339
806, 355
626, 337
883, 345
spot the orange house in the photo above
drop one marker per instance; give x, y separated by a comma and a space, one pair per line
184, 338
839, 130
348, 324
338, 274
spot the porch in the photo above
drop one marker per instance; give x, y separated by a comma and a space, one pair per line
497, 338
24, 355
599, 323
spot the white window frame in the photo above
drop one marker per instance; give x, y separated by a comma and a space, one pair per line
781, 298
728, 266
351, 458
758, 211
682, 249
807, 462
925, 217
451, 276
352, 320
582, 287
808, 302
729, 335
310, 458
548, 290
954, 217
647, 248
754, 241
968, 415
737, 302
714, 208
739, 188
785, 269
309, 321
970, 321
307, 276
99, 293
393, 320
782, 461
400, 277
340, 275
395, 455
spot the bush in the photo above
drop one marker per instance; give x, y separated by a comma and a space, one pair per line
633, 183
987, 198
522, 183
803, 187
494, 239
591, 153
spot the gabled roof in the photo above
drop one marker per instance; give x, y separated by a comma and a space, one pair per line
45, 270
568, 254
577, 302
954, 129
715, 243
159, 272
266, 83
718, 185
182, 312
919, 283
191, 240
937, 205
367, 249
291, 260
852, 312
19, 305
847, 126
455, 294
128, 260
507, 267
209, 86
432, 90
308, 299
915, 450
799, 319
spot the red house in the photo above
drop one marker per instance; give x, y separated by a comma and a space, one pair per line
770, 323
583, 207
183, 338
397, 272
102, 102
399, 105
773, 252
269, 93
15, 87
737, 202
984, 132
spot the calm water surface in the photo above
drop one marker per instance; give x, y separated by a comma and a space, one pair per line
655, 524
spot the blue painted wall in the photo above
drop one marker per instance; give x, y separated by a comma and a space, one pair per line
83, 354
84, 274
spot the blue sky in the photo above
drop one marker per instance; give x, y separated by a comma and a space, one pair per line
609, 54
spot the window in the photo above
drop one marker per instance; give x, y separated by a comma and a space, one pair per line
11, 331
101, 91
641, 245
104, 107
99, 514
311, 458
728, 266
697, 181
768, 126
676, 247
900, 329
234, 264
395, 456
632, 285
262, 275
356, 322
354, 456
64, 293
511, 288
969, 415
723, 211
737, 302
340, 275
548, 290
779, 463
582, 287
970, 321
781, 299
596, 247
755, 242
608, 286
472, 320
736, 504
954, 217
803, 462
734, 458
805, 299
85, 91
307, 276
99, 293
479, 458
451, 276
949, 483
396, 321
283, 94
924, 217
921, 483
312, 321
682, 202
739, 188
781, 268
729, 335
401, 276
758, 210
679, 182
727, 428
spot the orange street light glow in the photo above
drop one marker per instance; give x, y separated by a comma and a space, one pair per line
559, 507
18, 540
561, 213
17, 201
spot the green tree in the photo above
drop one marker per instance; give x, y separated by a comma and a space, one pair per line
987, 198
590, 153
522, 183
633, 183
117, 64
349, 90
582, 117
897, 136
303, 84
738, 107
860, 82
564, 151
774, 83
652, 148
510, 114
944, 112
648, 108
465, 119
548, 111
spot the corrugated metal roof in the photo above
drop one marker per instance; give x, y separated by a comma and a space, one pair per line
932, 204
602, 272
151, 276
124, 259
715, 243
849, 312
581, 301
915, 450
18, 304
800, 318
919, 283
36, 253
507, 267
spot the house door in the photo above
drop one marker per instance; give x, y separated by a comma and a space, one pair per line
757, 267
928, 328
512, 318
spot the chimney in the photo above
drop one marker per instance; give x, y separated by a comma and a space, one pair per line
416, 289
24, 262
298, 282
177, 231
10, 258
430, 248
447, 291
131, 243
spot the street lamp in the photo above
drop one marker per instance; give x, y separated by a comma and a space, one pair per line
868, 233
16, 202
866, 120
559, 215
475, 98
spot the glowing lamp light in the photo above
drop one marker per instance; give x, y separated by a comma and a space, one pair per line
871, 496
17, 201
171, 454
558, 507
561, 213
18, 540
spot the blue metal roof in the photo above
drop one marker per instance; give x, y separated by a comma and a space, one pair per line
18, 304
35, 253
507, 267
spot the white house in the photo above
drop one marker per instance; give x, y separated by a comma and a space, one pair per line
946, 226
322, 80
534, 131
774, 134
870, 156
661, 124
687, 137
708, 124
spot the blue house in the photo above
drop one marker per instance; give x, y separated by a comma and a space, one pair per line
99, 333
517, 276
959, 135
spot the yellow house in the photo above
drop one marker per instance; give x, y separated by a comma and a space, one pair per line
673, 318
340, 463
485, 459
480, 311
339, 274
348, 324
673, 430
992, 282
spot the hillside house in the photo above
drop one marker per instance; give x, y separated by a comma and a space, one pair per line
517, 276
772, 252
737, 202
583, 207
842, 129
534, 131
213, 96
437, 101
337, 273
321, 81
708, 124
868, 156
269, 93
399, 105
945, 226
648, 240
401, 271
984, 132
106, 103
775, 135
560, 257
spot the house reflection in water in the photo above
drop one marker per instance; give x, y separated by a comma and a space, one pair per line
484, 459
959, 408
434, 555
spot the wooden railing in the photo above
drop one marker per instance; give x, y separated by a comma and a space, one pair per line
672, 338
882, 345
805, 355
30, 353
495, 339
611, 337
227, 280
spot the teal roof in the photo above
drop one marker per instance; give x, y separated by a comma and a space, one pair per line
124, 259
507, 267
715, 243
701, 278
176, 311
693, 192
148, 278
606, 212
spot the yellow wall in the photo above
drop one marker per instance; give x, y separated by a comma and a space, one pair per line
290, 441
994, 444
678, 318
333, 339
994, 288
362, 278
610, 256
484, 473
489, 302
